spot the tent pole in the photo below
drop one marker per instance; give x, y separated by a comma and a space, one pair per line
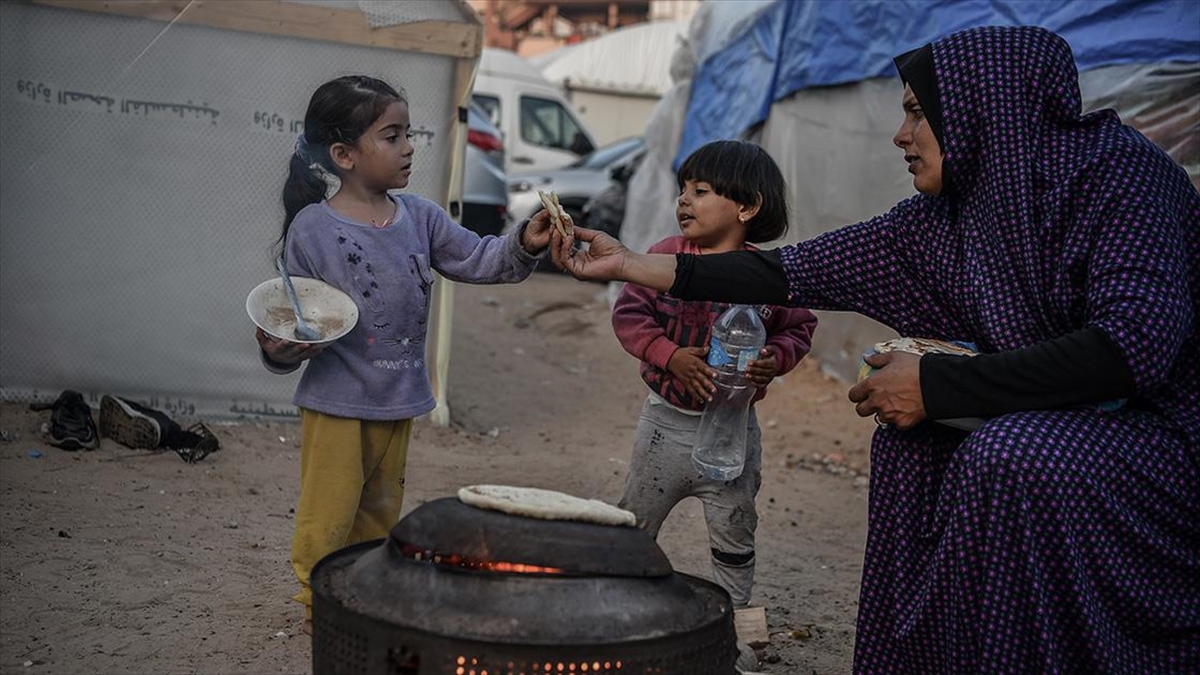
442, 303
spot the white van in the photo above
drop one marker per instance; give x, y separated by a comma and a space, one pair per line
541, 130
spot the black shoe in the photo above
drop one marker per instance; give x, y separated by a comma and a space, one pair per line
129, 424
194, 443
71, 425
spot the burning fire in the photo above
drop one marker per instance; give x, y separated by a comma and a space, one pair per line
414, 552
471, 667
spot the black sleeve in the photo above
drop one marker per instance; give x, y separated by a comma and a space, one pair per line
1078, 368
742, 277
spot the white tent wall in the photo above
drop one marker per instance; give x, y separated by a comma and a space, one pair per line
142, 166
834, 147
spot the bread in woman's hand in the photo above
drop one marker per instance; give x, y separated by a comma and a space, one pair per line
912, 346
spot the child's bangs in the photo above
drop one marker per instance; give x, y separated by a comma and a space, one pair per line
723, 166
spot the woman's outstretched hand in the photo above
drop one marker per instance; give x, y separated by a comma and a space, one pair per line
604, 259
893, 393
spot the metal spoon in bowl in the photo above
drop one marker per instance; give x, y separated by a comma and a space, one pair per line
303, 330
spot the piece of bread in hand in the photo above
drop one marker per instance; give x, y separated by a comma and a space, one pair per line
912, 346
558, 217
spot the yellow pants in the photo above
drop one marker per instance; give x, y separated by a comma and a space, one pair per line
351, 487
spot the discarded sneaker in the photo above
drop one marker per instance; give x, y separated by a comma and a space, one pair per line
129, 423
142, 427
71, 425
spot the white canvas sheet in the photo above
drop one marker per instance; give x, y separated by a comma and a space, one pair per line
141, 172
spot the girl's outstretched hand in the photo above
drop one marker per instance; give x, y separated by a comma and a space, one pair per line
603, 260
536, 236
286, 352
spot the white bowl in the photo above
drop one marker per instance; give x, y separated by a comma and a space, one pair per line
330, 311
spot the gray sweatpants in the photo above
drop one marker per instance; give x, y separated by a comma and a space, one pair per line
661, 475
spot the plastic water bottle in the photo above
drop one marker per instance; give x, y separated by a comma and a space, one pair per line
737, 338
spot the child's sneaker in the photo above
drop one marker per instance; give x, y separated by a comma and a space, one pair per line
128, 423
71, 425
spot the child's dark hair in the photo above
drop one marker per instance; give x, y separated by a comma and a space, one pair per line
741, 171
340, 111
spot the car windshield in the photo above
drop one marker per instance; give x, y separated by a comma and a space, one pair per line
604, 156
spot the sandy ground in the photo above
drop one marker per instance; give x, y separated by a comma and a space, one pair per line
119, 561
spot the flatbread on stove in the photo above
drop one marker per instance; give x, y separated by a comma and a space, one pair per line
543, 504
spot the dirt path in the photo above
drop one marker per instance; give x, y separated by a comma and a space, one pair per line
119, 561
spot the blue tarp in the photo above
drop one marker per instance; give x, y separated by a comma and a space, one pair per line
798, 44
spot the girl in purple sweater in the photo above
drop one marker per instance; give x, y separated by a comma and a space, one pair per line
731, 193
359, 395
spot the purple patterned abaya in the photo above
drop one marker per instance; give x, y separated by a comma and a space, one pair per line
1045, 541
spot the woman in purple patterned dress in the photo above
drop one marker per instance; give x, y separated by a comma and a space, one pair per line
1063, 535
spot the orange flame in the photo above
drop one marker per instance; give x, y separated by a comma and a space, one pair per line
453, 559
538, 667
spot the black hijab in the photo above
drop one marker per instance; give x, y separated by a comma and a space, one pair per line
916, 70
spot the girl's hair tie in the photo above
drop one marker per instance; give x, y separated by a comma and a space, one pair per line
302, 148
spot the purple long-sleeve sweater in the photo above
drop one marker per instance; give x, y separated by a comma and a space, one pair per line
378, 370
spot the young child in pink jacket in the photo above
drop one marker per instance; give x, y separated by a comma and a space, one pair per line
731, 193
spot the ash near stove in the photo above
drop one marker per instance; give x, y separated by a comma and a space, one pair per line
460, 590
